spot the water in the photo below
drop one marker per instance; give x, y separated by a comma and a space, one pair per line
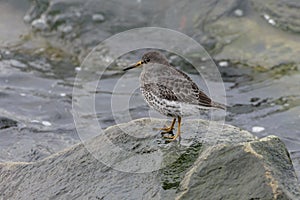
36, 86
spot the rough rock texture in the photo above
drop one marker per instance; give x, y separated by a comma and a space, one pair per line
284, 13
253, 170
250, 37
231, 164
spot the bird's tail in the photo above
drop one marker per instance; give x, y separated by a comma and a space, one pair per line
219, 105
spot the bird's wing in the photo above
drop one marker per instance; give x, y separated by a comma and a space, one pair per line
174, 85
202, 98
160, 91
182, 90
187, 91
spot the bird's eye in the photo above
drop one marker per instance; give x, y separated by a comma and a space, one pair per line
147, 60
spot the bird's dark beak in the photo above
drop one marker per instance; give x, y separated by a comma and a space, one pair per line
134, 66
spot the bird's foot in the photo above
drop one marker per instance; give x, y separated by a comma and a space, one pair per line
169, 137
163, 133
167, 129
172, 138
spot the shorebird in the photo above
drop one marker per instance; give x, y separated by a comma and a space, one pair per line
170, 91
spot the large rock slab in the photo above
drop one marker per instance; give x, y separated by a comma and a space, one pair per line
208, 164
254, 170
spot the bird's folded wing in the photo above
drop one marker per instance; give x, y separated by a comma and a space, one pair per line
160, 91
181, 90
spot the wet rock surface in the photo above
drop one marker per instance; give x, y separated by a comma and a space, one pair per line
36, 102
247, 37
227, 164
281, 13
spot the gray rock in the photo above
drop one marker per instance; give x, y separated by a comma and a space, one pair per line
282, 13
65, 29
98, 18
228, 29
228, 164
260, 169
239, 13
18, 64
7, 123
39, 24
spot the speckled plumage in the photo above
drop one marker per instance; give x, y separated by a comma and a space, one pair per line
170, 91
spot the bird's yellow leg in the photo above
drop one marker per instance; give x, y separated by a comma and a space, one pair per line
169, 129
172, 138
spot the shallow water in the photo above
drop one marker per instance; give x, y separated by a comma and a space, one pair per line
36, 92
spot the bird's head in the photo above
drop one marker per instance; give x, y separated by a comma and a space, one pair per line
150, 57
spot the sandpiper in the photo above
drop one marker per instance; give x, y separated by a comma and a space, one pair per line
170, 91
